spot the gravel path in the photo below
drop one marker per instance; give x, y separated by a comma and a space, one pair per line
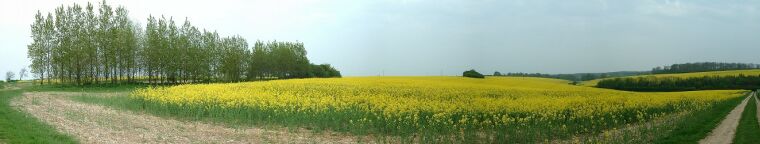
98, 124
724, 133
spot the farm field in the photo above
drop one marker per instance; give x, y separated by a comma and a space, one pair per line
429, 109
389, 71
380, 110
687, 75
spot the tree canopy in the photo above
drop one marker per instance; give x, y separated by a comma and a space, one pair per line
472, 74
652, 83
578, 76
702, 67
89, 45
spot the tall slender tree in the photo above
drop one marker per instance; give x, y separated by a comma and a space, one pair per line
77, 45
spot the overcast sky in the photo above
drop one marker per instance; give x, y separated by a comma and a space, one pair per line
419, 37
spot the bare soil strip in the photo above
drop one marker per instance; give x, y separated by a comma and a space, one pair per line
725, 132
98, 124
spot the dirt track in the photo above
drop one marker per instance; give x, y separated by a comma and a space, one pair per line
725, 132
757, 100
98, 124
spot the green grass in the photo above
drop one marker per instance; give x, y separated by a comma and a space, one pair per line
19, 127
238, 118
697, 125
749, 129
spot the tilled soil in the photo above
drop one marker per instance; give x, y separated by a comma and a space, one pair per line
98, 124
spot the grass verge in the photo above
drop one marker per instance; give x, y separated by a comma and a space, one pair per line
697, 125
19, 127
749, 129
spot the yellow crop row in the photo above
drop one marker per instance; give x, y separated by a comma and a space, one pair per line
502, 100
754, 72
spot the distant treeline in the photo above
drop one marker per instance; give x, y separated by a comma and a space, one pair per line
652, 83
674, 68
84, 45
576, 76
702, 67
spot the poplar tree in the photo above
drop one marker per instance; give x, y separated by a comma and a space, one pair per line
36, 50
77, 45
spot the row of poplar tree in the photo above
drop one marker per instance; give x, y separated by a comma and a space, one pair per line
82, 45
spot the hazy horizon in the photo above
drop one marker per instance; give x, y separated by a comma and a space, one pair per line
417, 37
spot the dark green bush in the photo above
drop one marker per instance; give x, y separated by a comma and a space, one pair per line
473, 74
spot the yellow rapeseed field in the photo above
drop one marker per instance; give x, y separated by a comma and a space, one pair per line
688, 75
415, 104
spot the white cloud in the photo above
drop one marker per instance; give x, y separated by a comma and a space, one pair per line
665, 7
